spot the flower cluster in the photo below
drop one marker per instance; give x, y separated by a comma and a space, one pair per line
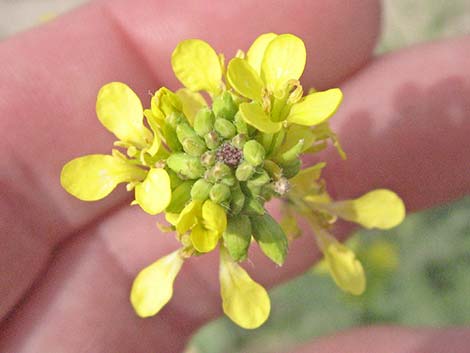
211, 168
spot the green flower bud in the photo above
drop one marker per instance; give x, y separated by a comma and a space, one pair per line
239, 140
208, 158
225, 128
191, 142
200, 190
240, 124
270, 236
186, 165
219, 193
237, 237
244, 171
254, 153
212, 140
220, 170
180, 196
224, 106
229, 180
291, 168
293, 152
171, 138
259, 179
238, 200
204, 121
252, 206
194, 147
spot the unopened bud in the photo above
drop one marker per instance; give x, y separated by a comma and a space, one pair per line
259, 179
254, 153
219, 193
212, 140
239, 140
204, 121
186, 165
224, 106
238, 200
208, 158
220, 170
244, 171
291, 168
200, 190
225, 128
240, 124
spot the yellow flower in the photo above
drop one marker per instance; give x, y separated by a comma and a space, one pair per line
207, 222
244, 301
269, 77
153, 286
93, 177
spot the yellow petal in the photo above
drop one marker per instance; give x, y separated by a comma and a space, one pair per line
284, 60
197, 66
171, 218
255, 54
154, 193
244, 301
93, 177
204, 240
254, 115
188, 217
244, 79
380, 208
316, 107
120, 111
214, 217
192, 103
153, 286
345, 269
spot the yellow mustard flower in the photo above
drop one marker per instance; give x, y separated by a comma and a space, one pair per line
212, 165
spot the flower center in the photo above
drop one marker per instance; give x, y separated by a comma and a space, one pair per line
229, 154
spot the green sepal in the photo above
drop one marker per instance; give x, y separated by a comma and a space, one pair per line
186, 165
254, 153
224, 106
204, 121
252, 206
259, 179
191, 142
291, 168
244, 171
179, 197
270, 237
225, 128
293, 152
238, 200
237, 237
219, 193
240, 124
200, 190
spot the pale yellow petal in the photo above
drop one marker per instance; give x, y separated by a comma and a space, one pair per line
192, 103
197, 66
153, 286
154, 193
204, 240
254, 115
255, 54
345, 269
93, 177
120, 111
188, 217
380, 208
244, 79
214, 217
316, 108
244, 301
283, 60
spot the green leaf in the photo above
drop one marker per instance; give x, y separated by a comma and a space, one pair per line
270, 236
237, 237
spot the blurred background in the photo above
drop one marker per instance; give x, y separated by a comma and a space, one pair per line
417, 273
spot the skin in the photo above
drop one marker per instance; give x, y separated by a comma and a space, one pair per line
66, 266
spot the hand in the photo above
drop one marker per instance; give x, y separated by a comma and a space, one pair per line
67, 266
